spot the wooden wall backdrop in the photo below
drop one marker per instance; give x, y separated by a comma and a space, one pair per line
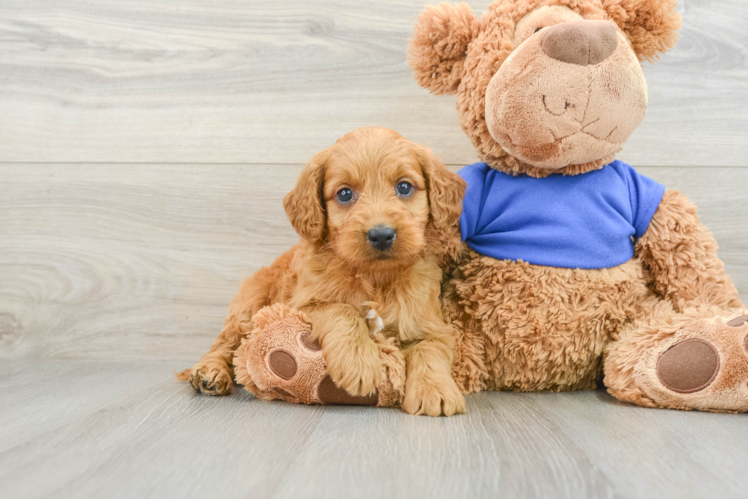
145, 147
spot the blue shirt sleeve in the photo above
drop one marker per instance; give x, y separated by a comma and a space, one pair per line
474, 175
645, 195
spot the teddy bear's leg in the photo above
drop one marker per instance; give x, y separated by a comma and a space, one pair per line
697, 359
279, 360
690, 353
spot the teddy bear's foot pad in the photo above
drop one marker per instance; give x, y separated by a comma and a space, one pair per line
704, 366
282, 363
330, 393
689, 366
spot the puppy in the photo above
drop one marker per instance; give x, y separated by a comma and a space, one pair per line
372, 211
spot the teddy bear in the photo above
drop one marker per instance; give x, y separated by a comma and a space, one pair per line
570, 268
576, 267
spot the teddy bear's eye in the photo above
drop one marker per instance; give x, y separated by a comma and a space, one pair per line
538, 29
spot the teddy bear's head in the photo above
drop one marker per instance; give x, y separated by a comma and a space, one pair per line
544, 86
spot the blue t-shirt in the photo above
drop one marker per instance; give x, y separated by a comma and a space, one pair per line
586, 221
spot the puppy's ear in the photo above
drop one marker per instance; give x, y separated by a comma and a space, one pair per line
445, 190
305, 205
439, 46
650, 25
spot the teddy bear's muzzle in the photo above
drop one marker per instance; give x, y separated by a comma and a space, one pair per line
570, 94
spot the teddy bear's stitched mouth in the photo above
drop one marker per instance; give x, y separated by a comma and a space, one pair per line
581, 130
521, 151
557, 140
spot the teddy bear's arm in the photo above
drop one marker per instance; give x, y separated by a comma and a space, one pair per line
681, 255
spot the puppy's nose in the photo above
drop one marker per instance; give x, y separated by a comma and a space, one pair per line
580, 42
381, 237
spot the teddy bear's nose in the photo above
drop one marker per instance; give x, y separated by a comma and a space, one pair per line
580, 42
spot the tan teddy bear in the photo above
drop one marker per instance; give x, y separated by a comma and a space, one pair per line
576, 266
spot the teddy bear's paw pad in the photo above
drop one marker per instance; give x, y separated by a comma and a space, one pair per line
703, 366
309, 342
329, 393
689, 366
281, 360
282, 363
739, 321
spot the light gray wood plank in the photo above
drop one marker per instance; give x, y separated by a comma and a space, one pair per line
698, 93
83, 429
672, 442
139, 262
272, 81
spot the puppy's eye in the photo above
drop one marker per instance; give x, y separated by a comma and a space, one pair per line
404, 189
345, 195
538, 29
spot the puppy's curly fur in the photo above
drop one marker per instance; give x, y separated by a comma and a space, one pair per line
335, 269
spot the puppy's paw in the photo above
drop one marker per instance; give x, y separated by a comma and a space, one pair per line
354, 366
211, 377
433, 396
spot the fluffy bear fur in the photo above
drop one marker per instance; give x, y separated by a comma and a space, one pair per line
526, 327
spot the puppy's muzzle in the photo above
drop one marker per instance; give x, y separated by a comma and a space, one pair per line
381, 237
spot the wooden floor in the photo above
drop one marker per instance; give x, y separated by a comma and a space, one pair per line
93, 429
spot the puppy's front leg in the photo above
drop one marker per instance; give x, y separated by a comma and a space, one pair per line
214, 374
351, 355
429, 387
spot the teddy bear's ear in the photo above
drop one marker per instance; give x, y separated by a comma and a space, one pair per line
650, 25
439, 45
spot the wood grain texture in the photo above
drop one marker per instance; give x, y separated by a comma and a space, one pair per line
84, 429
271, 81
139, 262
145, 148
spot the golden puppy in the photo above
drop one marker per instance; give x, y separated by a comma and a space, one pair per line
371, 211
